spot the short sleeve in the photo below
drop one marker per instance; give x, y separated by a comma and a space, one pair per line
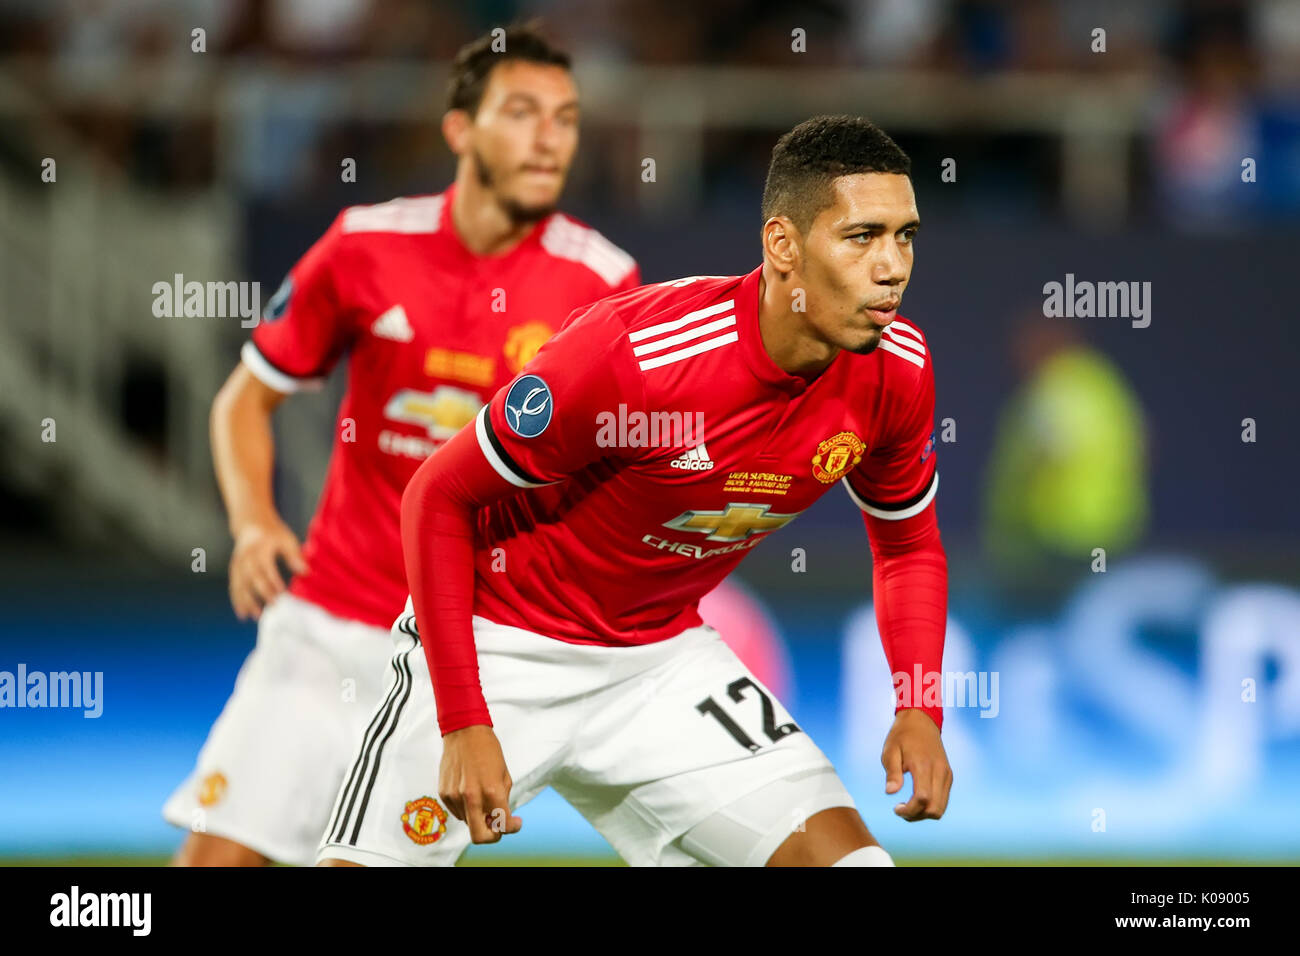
553, 419
304, 327
900, 476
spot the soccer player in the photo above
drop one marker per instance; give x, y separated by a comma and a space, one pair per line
438, 301
556, 566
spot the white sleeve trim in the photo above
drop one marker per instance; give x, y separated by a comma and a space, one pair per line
899, 515
495, 460
271, 376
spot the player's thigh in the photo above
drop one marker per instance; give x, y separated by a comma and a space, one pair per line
687, 738
388, 811
805, 819
267, 775
207, 849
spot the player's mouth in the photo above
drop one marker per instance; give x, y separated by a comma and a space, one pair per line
884, 313
547, 171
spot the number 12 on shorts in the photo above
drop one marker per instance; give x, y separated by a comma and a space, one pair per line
736, 691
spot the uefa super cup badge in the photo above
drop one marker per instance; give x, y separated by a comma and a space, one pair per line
528, 406
836, 455
424, 821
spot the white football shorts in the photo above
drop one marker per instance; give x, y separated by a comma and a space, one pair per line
645, 742
274, 759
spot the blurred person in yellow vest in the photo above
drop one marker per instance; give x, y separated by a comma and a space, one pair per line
1068, 471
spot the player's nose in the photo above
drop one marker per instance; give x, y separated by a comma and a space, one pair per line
890, 268
547, 137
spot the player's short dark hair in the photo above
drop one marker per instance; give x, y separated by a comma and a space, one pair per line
474, 62
806, 160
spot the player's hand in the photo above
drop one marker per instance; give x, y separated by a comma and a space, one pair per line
913, 746
254, 578
475, 785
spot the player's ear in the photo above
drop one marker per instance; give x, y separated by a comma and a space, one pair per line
455, 130
781, 244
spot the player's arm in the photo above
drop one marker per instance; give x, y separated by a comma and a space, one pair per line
537, 430
302, 333
437, 521
895, 488
242, 453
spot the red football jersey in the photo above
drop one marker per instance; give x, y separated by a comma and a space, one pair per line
432, 331
662, 442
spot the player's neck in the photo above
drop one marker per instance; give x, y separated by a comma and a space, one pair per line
786, 335
483, 226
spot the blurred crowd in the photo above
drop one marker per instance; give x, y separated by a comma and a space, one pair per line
950, 35
1224, 74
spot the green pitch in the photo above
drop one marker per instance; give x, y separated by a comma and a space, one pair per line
467, 860
495, 859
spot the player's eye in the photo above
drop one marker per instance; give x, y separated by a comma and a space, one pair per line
907, 235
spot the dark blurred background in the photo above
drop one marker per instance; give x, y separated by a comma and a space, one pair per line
1171, 157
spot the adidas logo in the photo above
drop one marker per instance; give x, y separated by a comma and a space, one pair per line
694, 459
393, 325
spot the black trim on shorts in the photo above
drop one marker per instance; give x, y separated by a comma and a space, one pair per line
385, 716
379, 751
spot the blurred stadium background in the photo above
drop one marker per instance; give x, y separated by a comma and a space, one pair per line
1150, 712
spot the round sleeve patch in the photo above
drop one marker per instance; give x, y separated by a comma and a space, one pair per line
279, 303
528, 406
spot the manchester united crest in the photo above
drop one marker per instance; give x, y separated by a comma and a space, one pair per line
212, 789
424, 821
836, 455
523, 341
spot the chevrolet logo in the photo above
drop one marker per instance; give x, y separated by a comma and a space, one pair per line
737, 523
443, 411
